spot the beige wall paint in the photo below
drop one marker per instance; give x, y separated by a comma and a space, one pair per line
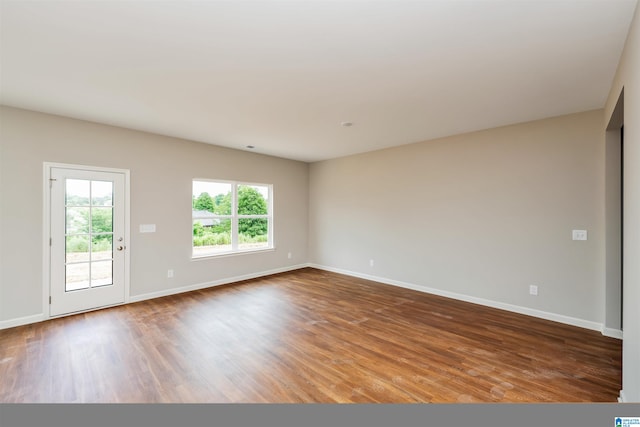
628, 77
484, 215
162, 169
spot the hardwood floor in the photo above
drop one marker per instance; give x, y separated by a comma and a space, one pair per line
306, 336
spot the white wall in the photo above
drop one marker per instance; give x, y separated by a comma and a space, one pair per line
628, 77
481, 215
162, 170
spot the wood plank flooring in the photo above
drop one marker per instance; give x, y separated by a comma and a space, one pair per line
306, 336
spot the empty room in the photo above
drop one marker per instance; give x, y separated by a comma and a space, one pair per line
319, 201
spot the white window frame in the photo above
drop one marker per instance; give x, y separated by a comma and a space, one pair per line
234, 217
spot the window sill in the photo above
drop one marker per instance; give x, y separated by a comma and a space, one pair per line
231, 254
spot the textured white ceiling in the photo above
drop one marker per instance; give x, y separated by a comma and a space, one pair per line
283, 75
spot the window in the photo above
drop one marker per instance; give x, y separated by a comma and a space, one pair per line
230, 217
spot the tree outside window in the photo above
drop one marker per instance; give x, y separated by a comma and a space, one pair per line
230, 217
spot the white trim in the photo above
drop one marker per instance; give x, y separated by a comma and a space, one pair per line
85, 167
219, 282
127, 234
235, 217
622, 398
229, 254
20, 321
612, 333
587, 324
46, 235
489, 303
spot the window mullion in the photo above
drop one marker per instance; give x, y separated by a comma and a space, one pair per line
234, 217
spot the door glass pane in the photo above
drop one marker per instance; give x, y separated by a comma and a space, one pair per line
77, 192
77, 276
102, 193
101, 273
77, 221
101, 247
101, 220
253, 233
77, 248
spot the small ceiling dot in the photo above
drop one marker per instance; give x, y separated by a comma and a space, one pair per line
347, 124
251, 147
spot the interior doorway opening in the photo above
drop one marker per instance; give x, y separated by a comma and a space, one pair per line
614, 217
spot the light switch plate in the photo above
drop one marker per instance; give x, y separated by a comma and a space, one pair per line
579, 234
147, 228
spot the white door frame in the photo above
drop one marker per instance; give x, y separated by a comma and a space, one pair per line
46, 226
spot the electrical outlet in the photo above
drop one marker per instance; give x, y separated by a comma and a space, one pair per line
533, 290
370, 263
289, 255
170, 274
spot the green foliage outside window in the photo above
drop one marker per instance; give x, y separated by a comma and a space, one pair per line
250, 230
251, 202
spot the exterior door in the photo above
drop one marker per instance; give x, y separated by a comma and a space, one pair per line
87, 239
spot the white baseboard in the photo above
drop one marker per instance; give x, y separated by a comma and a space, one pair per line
489, 303
612, 333
225, 281
20, 321
622, 398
